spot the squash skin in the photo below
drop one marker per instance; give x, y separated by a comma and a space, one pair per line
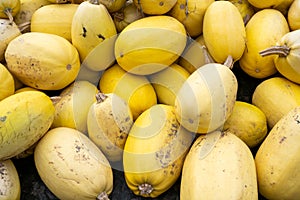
154, 7
293, 15
9, 181
274, 25
265, 3
7, 85
224, 31
12, 6
72, 166
278, 159
37, 65
150, 44
206, 98
276, 97
25, 118
155, 150
227, 167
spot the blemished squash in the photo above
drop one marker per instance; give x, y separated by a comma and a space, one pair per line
154, 151
273, 25
293, 15
109, 121
191, 13
276, 97
93, 25
42, 60
9, 181
7, 84
55, 19
206, 98
136, 90
224, 34
154, 7
287, 55
73, 105
9, 8
278, 157
24, 118
150, 44
248, 122
72, 166
219, 165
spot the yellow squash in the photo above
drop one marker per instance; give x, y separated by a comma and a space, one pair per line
112, 5
263, 30
109, 121
72, 166
8, 31
55, 19
154, 151
167, 83
275, 97
93, 26
42, 60
154, 7
224, 31
24, 118
7, 84
293, 15
72, 107
206, 98
136, 90
10, 187
245, 8
278, 157
248, 122
150, 44
219, 165
9, 8
262, 4
191, 13
287, 55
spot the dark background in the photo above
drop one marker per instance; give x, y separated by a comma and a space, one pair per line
32, 188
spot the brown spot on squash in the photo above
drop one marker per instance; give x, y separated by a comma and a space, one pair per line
69, 67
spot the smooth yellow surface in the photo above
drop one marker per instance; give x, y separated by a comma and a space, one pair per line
7, 84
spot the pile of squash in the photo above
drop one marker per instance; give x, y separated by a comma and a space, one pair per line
147, 87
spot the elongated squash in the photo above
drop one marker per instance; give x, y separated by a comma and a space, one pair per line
43, 61
206, 98
293, 15
24, 118
219, 166
72, 166
224, 31
278, 158
154, 151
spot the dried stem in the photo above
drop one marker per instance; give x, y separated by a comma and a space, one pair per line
276, 50
229, 62
102, 196
100, 97
145, 189
8, 13
23, 26
55, 99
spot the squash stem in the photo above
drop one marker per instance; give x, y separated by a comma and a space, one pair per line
100, 97
207, 57
145, 189
276, 50
8, 13
55, 99
96, 2
229, 62
23, 26
102, 196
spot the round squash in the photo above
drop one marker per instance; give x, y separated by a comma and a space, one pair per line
42, 60
206, 98
273, 25
55, 19
10, 187
109, 121
224, 31
9, 8
154, 7
293, 15
154, 151
191, 13
278, 157
287, 59
73, 105
136, 90
219, 165
150, 44
7, 84
24, 118
248, 122
276, 97
167, 83
72, 166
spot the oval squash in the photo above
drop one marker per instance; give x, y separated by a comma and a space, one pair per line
7, 85
293, 15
